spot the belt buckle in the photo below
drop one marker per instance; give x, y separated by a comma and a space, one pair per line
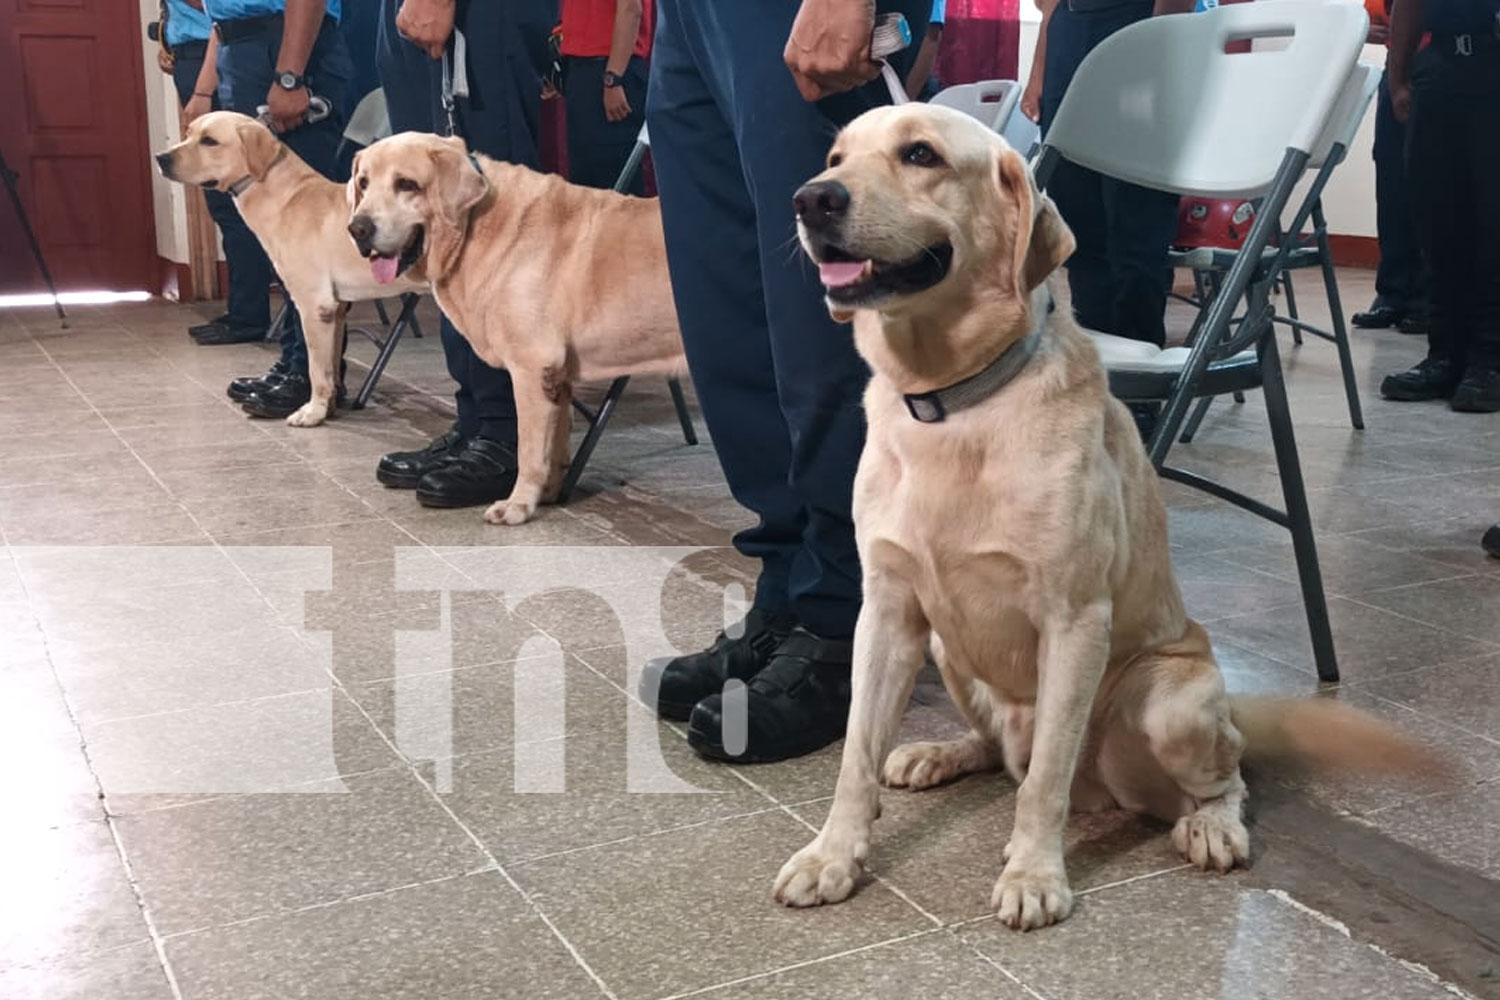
1463, 45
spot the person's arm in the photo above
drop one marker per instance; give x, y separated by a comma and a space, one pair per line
921, 69
1173, 7
628, 15
299, 31
1031, 97
426, 24
202, 101
828, 51
1406, 35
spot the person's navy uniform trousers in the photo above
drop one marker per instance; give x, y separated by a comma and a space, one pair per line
249, 46
474, 462
1453, 160
779, 382
247, 314
1118, 274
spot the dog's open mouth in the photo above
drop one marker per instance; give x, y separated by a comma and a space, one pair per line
851, 280
386, 268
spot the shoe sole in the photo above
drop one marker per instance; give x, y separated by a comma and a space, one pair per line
715, 751
396, 481
1403, 396
444, 503
1465, 406
266, 413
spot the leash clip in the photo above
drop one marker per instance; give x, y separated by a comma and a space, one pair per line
318, 108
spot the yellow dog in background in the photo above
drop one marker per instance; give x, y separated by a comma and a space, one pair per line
1018, 533
555, 282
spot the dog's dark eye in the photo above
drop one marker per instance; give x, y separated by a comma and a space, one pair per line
835, 159
208, 140
406, 185
919, 154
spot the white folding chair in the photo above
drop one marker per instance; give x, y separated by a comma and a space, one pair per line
1162, 104
989, 101
1209, 263
369, 122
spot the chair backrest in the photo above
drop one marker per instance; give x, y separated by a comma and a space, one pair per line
1162, 104
1348, 113
1020, 133
370, 120
990, 101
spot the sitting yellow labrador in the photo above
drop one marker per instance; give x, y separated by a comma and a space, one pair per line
1009, 520
299, 217
554, 282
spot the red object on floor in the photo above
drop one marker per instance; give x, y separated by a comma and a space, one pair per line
1213, 222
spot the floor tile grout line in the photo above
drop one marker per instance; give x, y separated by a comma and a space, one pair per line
809, 963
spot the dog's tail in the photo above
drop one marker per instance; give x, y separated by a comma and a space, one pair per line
1324, 733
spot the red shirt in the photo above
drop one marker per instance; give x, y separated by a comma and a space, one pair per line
588, 26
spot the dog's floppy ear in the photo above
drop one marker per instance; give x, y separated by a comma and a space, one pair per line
260, 146
460, 186
351, 189
1041, 240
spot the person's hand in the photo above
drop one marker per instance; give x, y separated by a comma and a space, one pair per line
829, 48
1379, 34
616, 104
1031, 100
164, 60
1401, 101
426, 24
288, 108
197, 106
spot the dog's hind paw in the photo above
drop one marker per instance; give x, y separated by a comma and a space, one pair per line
1213, 838
509, 512
311, 414
814, 876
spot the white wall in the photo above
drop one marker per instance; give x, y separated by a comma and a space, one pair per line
167, 198
1349, 199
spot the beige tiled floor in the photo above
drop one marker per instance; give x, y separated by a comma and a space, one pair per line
268, 729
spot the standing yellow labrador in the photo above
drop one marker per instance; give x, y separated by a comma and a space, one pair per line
554, 282
1008, 517
298, 215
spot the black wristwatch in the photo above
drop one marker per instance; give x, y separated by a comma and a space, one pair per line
613, 80
287, 80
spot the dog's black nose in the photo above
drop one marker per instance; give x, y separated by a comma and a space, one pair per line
821, 203
164, 161
362, 228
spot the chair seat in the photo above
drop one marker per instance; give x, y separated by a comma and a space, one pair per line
1141, 371
1221, 259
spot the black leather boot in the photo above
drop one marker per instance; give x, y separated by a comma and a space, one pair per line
485, 471
673, 686
403, 470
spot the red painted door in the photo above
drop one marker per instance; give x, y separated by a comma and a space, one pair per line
73, 125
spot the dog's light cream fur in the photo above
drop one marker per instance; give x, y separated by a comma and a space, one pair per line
299, 217
555, 282
1024, 542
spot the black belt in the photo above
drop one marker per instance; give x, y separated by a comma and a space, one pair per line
1465, 45
248, 27
189, 50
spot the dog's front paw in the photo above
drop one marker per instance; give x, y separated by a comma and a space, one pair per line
815, 876
1213, 838
1026, 899
509, 512
918, 766
311, 414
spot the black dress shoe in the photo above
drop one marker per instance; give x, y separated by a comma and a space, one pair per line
1416, 325
248, 385
202, 328
485, 471
797, 704
402, 470
1491, 541
675, 685
288, 395
1380, 316
1433, 378
1478, 391
223, 333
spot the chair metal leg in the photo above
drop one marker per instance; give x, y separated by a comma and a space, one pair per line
689, 434
1340, 330
282, 315
1291, 306
597, 421
387, 348
1191, 427
385, 319
1298, 516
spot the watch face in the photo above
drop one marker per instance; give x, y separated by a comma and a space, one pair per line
290, 81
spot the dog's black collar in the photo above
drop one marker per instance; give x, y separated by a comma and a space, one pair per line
934, 407
474, 162
238, 187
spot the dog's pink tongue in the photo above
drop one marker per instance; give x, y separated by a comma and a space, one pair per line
839, 274
384, 269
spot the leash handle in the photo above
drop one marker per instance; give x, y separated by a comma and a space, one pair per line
892, 34
318, 108
455, 79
